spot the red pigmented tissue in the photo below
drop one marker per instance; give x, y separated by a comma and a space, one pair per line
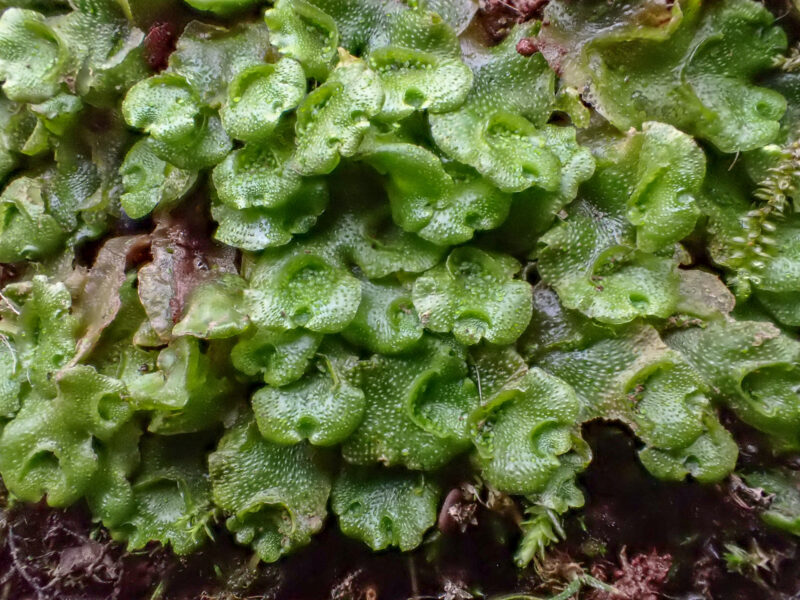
527, 47
498, 16
159, 44
640, 578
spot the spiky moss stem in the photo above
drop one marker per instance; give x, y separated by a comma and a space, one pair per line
772, 196
539, 530
788, 62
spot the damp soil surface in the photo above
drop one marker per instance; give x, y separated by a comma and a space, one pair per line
647, 538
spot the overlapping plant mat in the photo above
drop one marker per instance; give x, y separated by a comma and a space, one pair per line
388, 299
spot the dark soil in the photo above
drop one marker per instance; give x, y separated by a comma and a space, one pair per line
630, 515
648, 538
